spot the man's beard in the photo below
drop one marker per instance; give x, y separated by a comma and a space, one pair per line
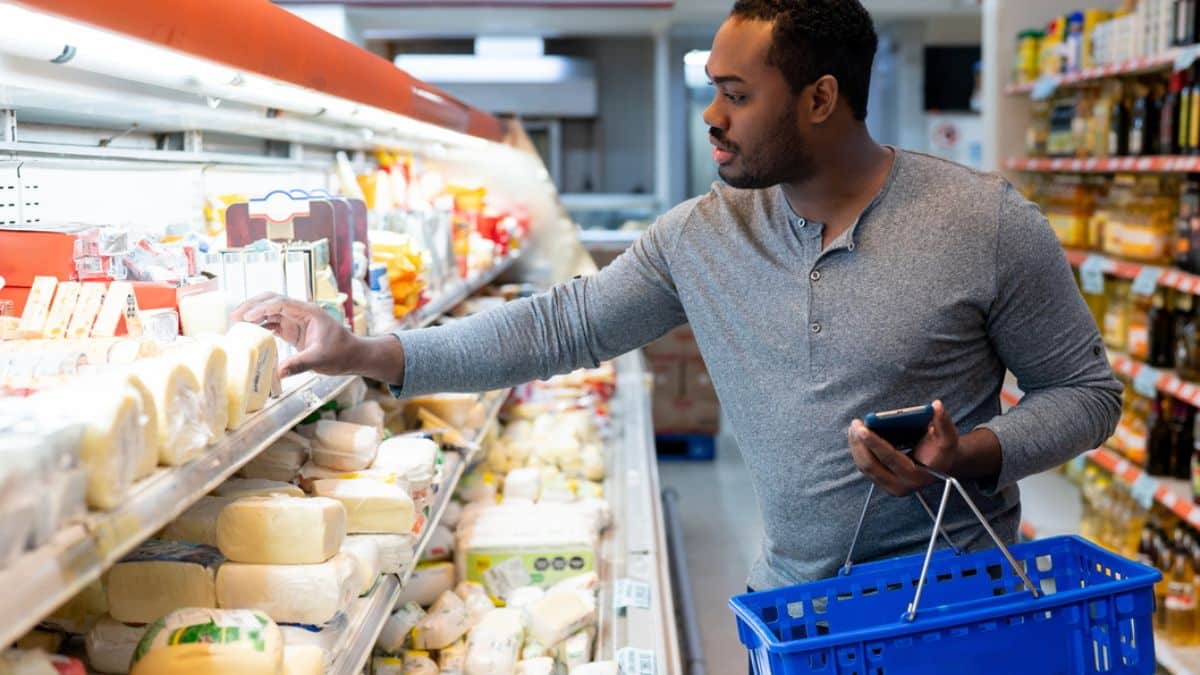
783, 159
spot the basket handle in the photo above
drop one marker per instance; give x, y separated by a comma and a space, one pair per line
911, 612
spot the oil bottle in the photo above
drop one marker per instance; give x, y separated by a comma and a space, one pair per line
1181, 593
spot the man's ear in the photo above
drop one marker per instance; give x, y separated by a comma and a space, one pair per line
819, 99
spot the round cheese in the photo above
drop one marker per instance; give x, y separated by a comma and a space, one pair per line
179, 403
210, 642
209, 363
281, 530
160, 577
281, 461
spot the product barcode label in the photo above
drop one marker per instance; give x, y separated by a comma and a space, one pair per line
636, 661
1091, 274
503, 578
1143, 490
1146, 382
630, 593
1146, 282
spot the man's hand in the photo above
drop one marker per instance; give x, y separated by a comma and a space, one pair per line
898, 473
324, 344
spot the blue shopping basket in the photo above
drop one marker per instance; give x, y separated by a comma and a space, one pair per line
1057, 605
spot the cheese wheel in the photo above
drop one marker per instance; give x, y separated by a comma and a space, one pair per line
542, 665
303, 660
149, 460
209, 363
178, 401
345, 446
396, 551
210, 642
368, 561
494, 645
305, 594
160, 577
198, 524
110, 645
281, 530
371, 506
557, 615
366, 413
445, 622
281, 461
256, 487
112, 445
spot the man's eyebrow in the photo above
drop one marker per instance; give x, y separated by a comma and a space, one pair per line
721, 79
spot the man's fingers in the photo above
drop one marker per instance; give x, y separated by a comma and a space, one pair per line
299, 363
894, 461
869, 465
942, 426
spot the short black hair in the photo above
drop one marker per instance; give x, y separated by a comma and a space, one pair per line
814, 38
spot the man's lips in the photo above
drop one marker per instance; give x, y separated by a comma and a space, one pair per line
722, 156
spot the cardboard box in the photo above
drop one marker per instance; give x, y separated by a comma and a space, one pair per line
668, 377
679, 343
25, 254
697, 385
686, 416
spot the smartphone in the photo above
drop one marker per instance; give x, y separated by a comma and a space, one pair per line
903, 428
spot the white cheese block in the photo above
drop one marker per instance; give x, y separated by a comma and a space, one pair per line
411, 457
597, 668
113, 443
542, 665
160, 577
523, 484
453, 659
179, 403
25, 662
253, 357
203, 313
371, 506
311, 473
256, 487
366, 413
345, 446
281, 461
576, 650
65, 298
557, 615
281, 530
495, 644
585, 584
303, 660
91, 296
518, 598
209, 363
428, 582
110, 645
150, 451
198, 524
305, 594
367, 562
397, 630
326, 638
396, 551
210, 642
445, 622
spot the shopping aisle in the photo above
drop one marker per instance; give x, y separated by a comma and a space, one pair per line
722, 531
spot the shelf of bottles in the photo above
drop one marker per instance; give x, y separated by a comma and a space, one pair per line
1134, 66
1146, 164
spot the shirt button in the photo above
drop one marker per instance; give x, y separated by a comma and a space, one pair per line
801, 222
815, 327
850, 246
815, 275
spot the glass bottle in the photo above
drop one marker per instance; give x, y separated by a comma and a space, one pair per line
1118, 128
1163, 556
1160, 319
1137, 331
1193, 143
1143, 122
1181, 593
1183, 422
1168, 117
1187, 365
1160, 446
1116, 318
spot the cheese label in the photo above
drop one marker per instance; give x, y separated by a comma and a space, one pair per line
243, 628
634, 661
175, 551
523, 568
630, 593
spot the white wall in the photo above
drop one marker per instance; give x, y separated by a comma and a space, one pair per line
332, 18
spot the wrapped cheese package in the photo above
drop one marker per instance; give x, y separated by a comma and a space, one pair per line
367, 561
323, 638
345, 446
210, 642
397, 630
395, 550
415, 460
453, 659
367, 413
476, 600
198, 524
256, 487
576, 650
110, 645
281, 530
557, 615
371, 506
179, 402
160, 577
113, 446
429, 581
419, 663
445, 622
149, 459
542, 665
209, 364
281, 461
495, 644
303, 660
310, 473
304, 594
252, 358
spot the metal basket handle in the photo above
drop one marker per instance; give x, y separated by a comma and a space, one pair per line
911, 613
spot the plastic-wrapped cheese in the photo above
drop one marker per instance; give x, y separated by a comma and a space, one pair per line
395, 550
597, 668
441, 544
542, 665
371, 506
149, 460
252, 357
518, 598
367, 562
494, 645
397, 630
198, 524
427, 583
256, 487
282, 460
303, 660
366, 413
209, 363
179, 403
160, 577
419, 663
305, 594
281, 530
557, 615
453, 659
324, 638
210, 642
476, 599
113, 445
311, 473
533, 649
576, 650
387, 665
110, 645
452, 514
523, 484
445, 622
352, 395
345, 446
414, 458
585, 584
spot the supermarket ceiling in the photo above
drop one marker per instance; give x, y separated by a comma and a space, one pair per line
399, 19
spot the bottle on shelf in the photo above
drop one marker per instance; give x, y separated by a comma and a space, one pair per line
1187, 356
1184, 22
1118, 127
1137, 332
1146, 552
1181, 593
1116, 318
1195, 464
1143, 122
1183, 423
1160, 319
1160, 444
1193, 144
1187, 239
1183, 118
1163, 555
1168, 116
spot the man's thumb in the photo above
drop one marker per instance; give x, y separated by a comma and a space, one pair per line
301, 362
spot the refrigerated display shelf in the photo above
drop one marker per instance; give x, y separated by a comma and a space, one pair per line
452, 297
42, 579
368, 614
1148, 164
1145, 64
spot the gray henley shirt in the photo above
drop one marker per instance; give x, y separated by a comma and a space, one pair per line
947, 279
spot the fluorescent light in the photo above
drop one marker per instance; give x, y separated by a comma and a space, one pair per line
463, 69
509, 47
694, 64
697, 57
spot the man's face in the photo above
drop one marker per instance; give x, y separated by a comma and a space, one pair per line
753, 120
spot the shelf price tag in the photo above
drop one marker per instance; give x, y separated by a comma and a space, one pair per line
1146, 382
1143, 490
1091, 274
1146, 281
1043, 87
636, 661
1079, 463
631, 593
1186, 57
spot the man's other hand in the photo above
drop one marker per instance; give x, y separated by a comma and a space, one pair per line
896, 472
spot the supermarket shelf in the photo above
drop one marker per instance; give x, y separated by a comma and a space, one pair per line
449, 299
1168, 277
367, 615
1167, 381
41, 580
1177, 660
1149, 164
1146, 64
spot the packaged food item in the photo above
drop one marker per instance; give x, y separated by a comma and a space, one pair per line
371, 506
395, 550
252, 360
198, 524
281, 530
281, 461
209, 642
397, 631
494, 646
446, 621
256, 487
110, 645
367, 413
367, 562
345, 446
428, 582
303, 660
209, 363
304, 594
179, 402
557, 615
160, 577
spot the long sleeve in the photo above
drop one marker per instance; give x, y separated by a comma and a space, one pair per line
1043, 333
629, 303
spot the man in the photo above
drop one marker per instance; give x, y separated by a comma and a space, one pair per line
830, 277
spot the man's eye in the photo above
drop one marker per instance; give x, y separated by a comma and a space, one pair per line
735, 98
